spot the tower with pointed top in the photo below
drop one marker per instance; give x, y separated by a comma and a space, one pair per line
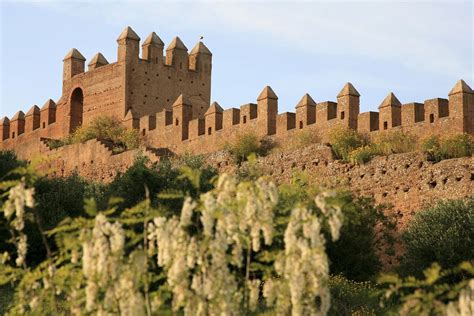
213, 118
32, 119
4, 128
73, 64
348, 101
182, 115
461, 106
152, 49
128, 46
267, 111
200, 59
97, 61
390, 112
177, 54
305, 112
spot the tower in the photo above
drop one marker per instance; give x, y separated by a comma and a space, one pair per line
461, 106
152, 49
128, 46
348, 106
305, 112
390, 112
182, 114
200, 59
73, 64
267, 111
177, 54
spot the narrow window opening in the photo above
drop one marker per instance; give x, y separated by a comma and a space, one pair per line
44, 124
245, 119
301, 124
143, 132
13, 135
342, 115
209, 131
385, 125
431, 118
177, 122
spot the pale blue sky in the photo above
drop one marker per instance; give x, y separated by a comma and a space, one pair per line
416, 49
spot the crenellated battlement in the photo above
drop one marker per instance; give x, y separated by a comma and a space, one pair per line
165, 94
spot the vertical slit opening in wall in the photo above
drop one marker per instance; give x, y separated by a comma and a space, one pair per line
385, 125
431, 118
209, 131
244, 119
342, 115
177, 122
301, 124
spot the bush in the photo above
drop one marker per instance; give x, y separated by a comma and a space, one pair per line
394, 143
353, 298
362, 154
104, 128
343, 141
354, 254
443, 234
456, 146
9, 162
246, 144
307, 137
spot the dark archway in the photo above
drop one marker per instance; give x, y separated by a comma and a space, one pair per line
77, 109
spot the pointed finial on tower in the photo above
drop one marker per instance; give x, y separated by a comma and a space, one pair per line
97, 61
176, 43
390, 100
18, 116
200, 48
305, 101
74, 53
348, 89
182, 99
50, 104
214, 108
33, 110
267, 93
461, 87
4, 121
128, 33
153, 39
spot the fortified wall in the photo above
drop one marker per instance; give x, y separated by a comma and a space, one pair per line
167, 98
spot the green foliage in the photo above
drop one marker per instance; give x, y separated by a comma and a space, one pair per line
443, 234
394, 142
104, 128
8, 163
344, 141
353, 255
306, 137
431, 295
456, 146
362, 155
246, 144
353, 298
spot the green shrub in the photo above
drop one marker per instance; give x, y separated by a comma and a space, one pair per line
354, 254
362, 154
9, 162
436, 292
307, 137
456, 146
104, 128
344, 141
443, 234
353, 298
246, 144
394, 142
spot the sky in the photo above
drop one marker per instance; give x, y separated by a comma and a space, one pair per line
416, 49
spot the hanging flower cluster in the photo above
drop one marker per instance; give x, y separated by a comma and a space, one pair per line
234, 217
111, 283
19, 197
